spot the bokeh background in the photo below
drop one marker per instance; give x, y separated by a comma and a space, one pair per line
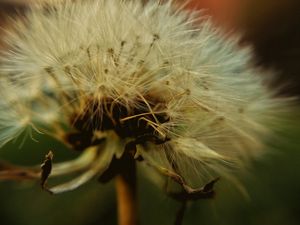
272, 186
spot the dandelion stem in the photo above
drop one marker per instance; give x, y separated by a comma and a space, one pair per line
126, 193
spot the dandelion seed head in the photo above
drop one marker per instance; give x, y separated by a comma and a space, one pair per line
121, 70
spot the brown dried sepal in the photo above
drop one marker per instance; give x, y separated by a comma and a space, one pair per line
17, 173
190, 194
46, 169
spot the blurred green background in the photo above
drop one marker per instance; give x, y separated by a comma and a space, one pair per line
273, 187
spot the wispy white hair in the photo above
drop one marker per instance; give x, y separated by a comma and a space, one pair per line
61, 55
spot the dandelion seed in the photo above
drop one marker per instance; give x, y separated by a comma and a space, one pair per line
116, 80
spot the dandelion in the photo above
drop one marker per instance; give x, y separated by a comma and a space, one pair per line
123, 82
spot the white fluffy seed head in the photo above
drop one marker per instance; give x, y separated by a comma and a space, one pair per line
67, 58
